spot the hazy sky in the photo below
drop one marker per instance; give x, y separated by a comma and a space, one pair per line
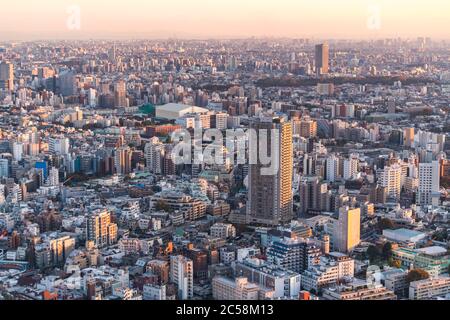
26, 19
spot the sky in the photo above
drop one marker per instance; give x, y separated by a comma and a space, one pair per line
344, 19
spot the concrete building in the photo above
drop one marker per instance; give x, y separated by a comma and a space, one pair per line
270, 194
223, 231
322, 58
225, 289
174, 111
347, 231
391, 178
100, 230
182, 274
430, 288
429, 184
282, 282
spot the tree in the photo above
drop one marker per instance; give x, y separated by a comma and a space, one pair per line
387, 250
395, 263
417, 275
373, 253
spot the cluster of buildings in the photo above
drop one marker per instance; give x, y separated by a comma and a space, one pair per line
95, 204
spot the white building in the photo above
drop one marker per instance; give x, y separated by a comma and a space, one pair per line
59, 146
351, 167
223, 231
429, 184
154, 292
225, 289
154, 153
332, 168
427, 289
391, 178
174, 111
182, 274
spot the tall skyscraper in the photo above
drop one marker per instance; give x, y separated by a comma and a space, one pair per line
6, 76
182, 274
429, 184
67, 83
270, 196
120, 94
347, 232
4, 168
409, 135
322, 58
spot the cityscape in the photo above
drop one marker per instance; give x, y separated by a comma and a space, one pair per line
248, 168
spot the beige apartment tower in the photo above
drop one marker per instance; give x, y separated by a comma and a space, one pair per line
348, 230
270, 196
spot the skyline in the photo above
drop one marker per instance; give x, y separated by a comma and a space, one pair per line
349, 19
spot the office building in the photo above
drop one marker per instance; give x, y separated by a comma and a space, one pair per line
322, 59
6, 76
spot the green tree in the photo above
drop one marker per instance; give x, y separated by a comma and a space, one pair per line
373, 253
417, 275
387, 250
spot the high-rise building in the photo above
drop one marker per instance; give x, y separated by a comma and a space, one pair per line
53, 177
120, 94
293, 254
59, 146
67, 83
322, 59
429, 184
100, 230
351, 167
122, 160
409, 135
391, 178
347, 231
17, 150
313, 195
154, 155
306, 128
270, 195
60, 249
4, 168
333, 168
182, 274
6, 76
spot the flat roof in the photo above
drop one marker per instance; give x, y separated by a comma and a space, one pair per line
433, 251
405, 232
177, 107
